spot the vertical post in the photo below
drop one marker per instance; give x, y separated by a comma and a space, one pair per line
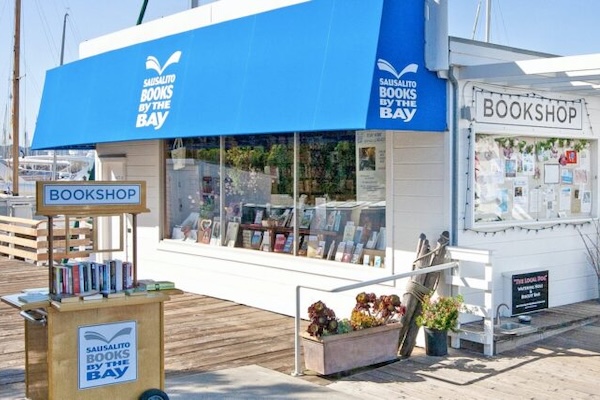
488, 20
15, 102
51, 286
297, 368
62, 58
134, 248
488, 321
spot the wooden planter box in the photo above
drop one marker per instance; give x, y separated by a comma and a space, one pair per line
330, 354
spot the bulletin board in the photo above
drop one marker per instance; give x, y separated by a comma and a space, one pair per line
531, 179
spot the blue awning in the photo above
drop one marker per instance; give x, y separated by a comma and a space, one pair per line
319, 65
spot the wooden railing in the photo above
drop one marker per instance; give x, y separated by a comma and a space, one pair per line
27, 239
473, 279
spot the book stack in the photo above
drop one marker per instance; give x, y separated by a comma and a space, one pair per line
77, 280
151, 285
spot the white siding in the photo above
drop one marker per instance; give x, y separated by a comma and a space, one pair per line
420, 187
141, 165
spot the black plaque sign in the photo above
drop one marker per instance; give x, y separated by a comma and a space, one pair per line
529, 292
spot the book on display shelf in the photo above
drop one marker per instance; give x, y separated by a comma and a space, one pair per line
289, 243
113, 295
331, 251
303, 245
279, 243
358, 235
321, 249
339, 254
348, 251
92, 296
313, 244
256, 239
136, 292
377, 262
306, 218
357, 253
258, 217
372, 241
349, 230
232, 232
381, 239
247, 238
367, 260
33, 297
151, 284
215, 236
265, 245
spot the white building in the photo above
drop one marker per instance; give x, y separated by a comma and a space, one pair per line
337, 114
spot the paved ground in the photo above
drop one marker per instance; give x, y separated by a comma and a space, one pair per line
560, 367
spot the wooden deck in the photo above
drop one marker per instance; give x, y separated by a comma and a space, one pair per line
207, 334
201, 333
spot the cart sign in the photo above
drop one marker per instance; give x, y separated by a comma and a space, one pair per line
529, 292
107, 354
73, 197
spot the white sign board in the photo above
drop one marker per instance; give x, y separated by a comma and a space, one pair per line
107, 354
88, 197
509, 109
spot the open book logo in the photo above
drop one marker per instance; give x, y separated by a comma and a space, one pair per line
91, 335
152, 62
384, 65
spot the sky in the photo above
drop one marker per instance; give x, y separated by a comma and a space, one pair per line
561, 27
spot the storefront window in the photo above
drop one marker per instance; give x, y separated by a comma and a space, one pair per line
520, 179
336, 211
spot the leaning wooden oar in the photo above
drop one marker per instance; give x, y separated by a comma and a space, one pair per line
417, 287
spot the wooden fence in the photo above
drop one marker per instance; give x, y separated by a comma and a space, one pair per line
27, 239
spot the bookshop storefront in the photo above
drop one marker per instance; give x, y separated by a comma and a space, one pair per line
527, 141
265, 172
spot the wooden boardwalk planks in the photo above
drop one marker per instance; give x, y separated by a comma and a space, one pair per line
207, 334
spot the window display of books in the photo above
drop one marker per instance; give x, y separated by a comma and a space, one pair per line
352, 232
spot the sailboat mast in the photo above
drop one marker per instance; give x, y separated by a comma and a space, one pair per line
488, 20
62, 58
15, 116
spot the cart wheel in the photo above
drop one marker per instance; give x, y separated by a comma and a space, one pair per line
154, 394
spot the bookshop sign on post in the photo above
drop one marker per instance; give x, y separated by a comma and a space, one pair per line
93, 197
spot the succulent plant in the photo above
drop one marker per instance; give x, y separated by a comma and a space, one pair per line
368, 312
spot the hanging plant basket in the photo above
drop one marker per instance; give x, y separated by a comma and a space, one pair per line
335, 353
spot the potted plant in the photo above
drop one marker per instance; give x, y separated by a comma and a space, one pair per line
438, 316
369, 337
591, 242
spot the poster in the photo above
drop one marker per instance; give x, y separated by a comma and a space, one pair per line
529, 292
370, 165
107, 354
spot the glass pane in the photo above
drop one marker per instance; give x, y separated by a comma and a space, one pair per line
193, 189
341, 185
531, 179
258, 190
341, 204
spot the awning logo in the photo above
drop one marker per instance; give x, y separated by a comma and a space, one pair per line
155, 99
397, 96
